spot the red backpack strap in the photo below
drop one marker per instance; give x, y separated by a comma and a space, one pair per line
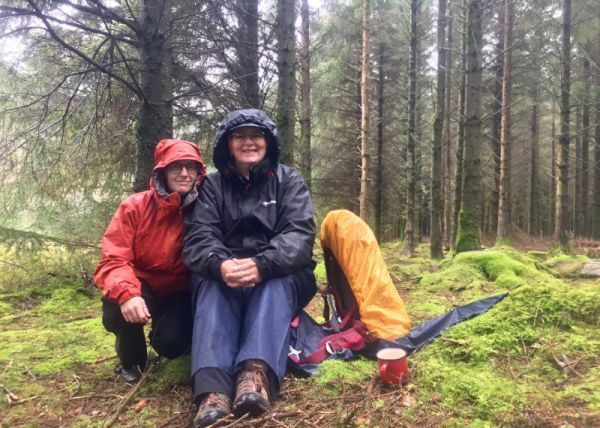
354, 338
352, 314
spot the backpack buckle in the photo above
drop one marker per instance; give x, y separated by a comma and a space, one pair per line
330, 350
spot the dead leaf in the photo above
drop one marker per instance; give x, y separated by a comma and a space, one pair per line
140, 405
408, 400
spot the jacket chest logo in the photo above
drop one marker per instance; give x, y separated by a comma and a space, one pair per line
267, 203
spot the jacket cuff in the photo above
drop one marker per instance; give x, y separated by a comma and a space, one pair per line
214, 267
261, 265
127, 294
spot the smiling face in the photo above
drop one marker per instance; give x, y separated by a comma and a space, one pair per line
181, 176
248, 146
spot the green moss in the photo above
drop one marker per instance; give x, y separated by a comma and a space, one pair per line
172, 372
468, 235
586, 393
565, 265
512, 347
320, 272
333, 375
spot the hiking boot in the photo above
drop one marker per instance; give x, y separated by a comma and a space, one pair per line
252, 394
213, 407
131, 375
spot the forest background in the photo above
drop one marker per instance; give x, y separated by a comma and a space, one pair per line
502, 96
455, 123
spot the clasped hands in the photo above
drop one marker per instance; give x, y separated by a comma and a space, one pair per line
240, 273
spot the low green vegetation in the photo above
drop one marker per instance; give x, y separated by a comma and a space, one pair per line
532, 360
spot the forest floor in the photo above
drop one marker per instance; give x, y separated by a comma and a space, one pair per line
531, 360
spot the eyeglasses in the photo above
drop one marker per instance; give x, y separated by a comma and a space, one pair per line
255, 136
176, 167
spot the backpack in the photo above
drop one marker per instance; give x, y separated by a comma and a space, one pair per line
363, 311
361, 304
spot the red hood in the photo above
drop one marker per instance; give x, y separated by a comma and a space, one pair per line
168, 151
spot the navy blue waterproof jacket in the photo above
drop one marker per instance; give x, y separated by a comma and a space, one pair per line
268, 217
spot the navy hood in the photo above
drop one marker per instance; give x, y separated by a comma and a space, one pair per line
249, 117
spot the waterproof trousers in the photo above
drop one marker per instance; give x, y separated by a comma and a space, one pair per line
171, 332
233, 325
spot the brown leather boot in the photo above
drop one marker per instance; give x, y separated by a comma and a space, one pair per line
213, 407
252, 394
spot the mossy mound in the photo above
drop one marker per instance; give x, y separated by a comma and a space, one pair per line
566, 266
516, 359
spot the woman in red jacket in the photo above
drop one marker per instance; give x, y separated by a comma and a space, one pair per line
141, 272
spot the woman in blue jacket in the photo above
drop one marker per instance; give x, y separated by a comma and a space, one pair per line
248, 246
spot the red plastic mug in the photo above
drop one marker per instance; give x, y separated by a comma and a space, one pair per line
392, 365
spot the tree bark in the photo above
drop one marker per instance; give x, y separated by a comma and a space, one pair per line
286, 71
532, 224
247, 53
505, 138
585, 148
562, 163
577, 217
496, 119
380, 142
437, 208
409, 233
596, 200
554, 181
155, 117
305, 111
460, 144
447, 163
364, 119
469, 233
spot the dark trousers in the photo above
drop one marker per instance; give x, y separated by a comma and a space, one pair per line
233, 325
171, 328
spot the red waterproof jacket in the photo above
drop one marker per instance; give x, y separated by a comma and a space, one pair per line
144, 238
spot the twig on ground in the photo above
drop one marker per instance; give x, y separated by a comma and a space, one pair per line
129, 395
238, 420
169, 422
11, 397
105, 359
30, 373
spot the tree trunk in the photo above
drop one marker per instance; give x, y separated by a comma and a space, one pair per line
155, 117
364, 119
585, 148
562, 196
380, 141
554, 171
460, 145
286, 90
437, 208
504, 189
596, 201
447, 171
247, 52
532, 224
469, 233
496, 119
409, 234
577, 217
305, 112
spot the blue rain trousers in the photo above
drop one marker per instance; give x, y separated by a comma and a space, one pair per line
232, 325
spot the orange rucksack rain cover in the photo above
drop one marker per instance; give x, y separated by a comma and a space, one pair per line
355, 247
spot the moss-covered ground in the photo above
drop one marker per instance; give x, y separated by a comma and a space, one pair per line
532, 360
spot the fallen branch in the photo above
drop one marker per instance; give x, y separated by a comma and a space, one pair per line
129, 396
